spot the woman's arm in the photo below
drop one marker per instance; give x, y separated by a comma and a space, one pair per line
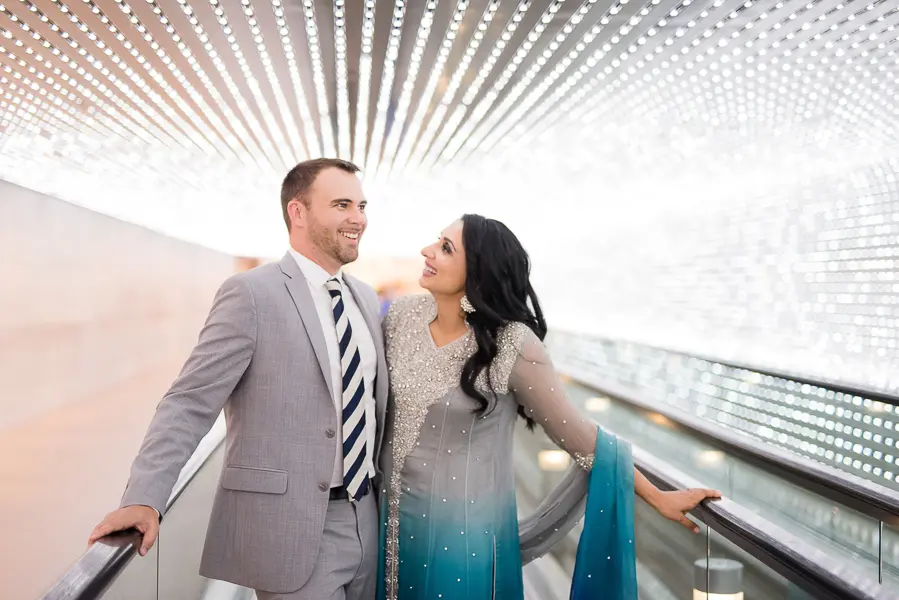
540, 390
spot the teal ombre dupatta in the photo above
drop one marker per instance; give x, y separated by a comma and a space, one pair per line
605, 568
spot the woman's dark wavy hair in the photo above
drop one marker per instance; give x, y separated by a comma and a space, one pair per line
498, 285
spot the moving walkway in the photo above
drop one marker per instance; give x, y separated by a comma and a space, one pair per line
796, 523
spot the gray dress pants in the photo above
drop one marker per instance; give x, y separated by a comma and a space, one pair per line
347, 564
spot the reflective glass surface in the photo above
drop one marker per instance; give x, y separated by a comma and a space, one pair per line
171, 569
851, 432
834, 529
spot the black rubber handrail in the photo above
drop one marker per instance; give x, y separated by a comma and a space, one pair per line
97, 568
92, 574
866, 497
819, 574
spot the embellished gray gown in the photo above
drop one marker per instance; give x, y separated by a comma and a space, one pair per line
448, 497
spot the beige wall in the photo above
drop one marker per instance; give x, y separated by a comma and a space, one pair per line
96, 318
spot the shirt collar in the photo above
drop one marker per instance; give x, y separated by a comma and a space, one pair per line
312, 271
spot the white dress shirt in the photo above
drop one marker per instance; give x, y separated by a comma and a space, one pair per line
316, 277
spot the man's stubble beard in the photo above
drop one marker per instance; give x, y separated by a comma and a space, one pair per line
330, 245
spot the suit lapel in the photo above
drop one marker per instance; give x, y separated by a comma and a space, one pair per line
374, 327
302, 299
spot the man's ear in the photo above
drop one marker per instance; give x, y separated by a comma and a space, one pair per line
297, 212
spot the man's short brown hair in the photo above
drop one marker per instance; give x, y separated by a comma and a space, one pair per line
300, 178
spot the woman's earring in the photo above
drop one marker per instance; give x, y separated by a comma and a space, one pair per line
466, 305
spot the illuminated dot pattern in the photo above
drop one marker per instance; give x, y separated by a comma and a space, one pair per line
848, 431
197, 107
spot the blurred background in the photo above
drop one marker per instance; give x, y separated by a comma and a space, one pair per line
707, 189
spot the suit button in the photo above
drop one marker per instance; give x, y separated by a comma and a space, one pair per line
323, 487
330, 433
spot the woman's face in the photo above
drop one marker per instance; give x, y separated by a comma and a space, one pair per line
444, 271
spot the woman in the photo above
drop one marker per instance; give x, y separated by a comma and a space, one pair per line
466, 361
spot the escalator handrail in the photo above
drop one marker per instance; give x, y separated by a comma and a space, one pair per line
92, 574
823, 576
861, 495
816, 572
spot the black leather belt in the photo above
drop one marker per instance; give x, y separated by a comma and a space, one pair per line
340, 493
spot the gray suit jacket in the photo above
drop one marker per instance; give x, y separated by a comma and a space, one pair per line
262, 357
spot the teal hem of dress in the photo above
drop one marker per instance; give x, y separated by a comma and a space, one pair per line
605, 567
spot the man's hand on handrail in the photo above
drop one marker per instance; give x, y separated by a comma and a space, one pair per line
143, 518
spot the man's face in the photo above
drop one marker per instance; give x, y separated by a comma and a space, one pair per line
334, 220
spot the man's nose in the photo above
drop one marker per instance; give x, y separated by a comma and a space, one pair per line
357, 217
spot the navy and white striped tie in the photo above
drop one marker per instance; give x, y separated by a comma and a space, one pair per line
355, 473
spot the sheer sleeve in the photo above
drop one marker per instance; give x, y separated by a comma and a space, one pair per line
599, 487
540, 390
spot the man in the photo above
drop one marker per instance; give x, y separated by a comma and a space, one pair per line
293, 352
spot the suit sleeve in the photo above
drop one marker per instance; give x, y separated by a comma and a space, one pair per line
190, 407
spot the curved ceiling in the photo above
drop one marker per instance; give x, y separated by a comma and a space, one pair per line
184, 115
718, 176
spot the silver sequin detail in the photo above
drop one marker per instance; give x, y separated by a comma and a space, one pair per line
508, 344
421, 374
584, 461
